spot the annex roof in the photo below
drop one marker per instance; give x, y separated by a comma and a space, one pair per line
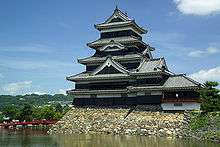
173, 82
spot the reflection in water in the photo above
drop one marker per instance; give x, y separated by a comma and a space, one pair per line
39, 138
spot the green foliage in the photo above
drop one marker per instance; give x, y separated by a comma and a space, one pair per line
198, 121
48, 112
26, 113
29, 112
210, 97
58, 107
11, 112
57, 116
37, 113
211, 84
1, 118
34, 99
65, 109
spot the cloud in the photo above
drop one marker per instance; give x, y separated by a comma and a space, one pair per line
198, 7
62, 91
12, 88
207, 75
213, 50
196, 53
201, 53
37, 92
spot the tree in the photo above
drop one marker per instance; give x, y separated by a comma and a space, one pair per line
10, 111
57, 116
210, 97
37, 113
48, 112
66, 109
58, 108
26, 112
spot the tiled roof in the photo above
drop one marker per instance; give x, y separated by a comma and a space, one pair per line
126, 39
173, 82
147, 67
150, 66
88, 76
180, 81
131, 23
127, 57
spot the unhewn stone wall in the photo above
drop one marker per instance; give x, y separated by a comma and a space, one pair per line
120, 121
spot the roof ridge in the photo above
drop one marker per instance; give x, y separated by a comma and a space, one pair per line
190, 79
117, 63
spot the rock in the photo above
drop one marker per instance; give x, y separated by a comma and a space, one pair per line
168, 132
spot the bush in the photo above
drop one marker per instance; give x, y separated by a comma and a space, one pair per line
198, 121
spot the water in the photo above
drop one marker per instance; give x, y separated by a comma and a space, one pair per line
39, 138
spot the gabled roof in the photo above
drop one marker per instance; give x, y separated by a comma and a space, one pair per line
110, 62
151, 66
112, 46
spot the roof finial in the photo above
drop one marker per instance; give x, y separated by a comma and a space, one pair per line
116, 4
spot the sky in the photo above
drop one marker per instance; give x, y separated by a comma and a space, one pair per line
40, 41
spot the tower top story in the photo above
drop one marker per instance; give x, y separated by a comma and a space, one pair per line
119, 19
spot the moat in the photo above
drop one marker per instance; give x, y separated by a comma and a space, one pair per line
33, 138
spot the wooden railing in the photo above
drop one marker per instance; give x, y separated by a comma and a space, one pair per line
167, 100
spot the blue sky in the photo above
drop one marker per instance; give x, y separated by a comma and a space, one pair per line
41, 40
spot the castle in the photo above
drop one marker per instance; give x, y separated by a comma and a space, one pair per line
123, 72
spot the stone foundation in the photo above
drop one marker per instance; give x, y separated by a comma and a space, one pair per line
132, 121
